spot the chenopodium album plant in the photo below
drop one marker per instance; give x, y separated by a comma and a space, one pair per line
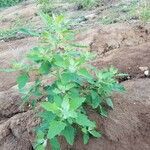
66, 85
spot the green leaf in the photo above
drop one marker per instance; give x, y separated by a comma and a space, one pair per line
85, 138
40, 135
47, 116
58, 100
83, 72
22, 80
118, 88
29, 32
109, 103
65, 109
76, 102
55, 128
69, 134
59, 61
39, 140
40, 147
103, 111
95, 133
51, 107
95, 99
84, 121
45, 68
59, 19
55, 144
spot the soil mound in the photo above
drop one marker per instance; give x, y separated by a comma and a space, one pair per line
126, 128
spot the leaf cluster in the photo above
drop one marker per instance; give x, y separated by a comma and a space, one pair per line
65, 85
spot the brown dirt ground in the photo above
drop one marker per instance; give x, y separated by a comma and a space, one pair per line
125, 46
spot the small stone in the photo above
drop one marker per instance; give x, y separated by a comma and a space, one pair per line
146, 72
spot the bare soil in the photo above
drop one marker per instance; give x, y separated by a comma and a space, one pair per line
122, 45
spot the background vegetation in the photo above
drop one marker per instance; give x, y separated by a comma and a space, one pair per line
6, 3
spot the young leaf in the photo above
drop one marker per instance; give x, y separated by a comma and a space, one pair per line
59, 61
45, 68
58, 100
118, 88
103, 111
95, 99
76, 102
86, 138
22, 80
55, 144
95, 133
50, 107
109, 103
84, 121
83, 72
55, 128
69, 134
29, 32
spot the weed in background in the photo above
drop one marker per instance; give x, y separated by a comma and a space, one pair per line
13, 32
127, 11
7, 3
46, 5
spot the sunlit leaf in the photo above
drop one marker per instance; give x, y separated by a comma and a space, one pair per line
55, 128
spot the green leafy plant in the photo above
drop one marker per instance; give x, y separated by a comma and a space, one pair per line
13, 32
123, 12
65, 85
46, 5
6, 3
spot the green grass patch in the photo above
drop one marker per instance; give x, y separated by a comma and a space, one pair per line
7, 3
134, 10
13, 32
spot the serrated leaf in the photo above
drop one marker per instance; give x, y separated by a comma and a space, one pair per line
84, 121
47, 116
45, 68
95, 133
22, 80
50, 107
103, 111
55, 144
76, 102
65, 108
69, 134
55, 128
59, 61
85, 138
83, 72
58, 100
40, 135
95, 99
109, 103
